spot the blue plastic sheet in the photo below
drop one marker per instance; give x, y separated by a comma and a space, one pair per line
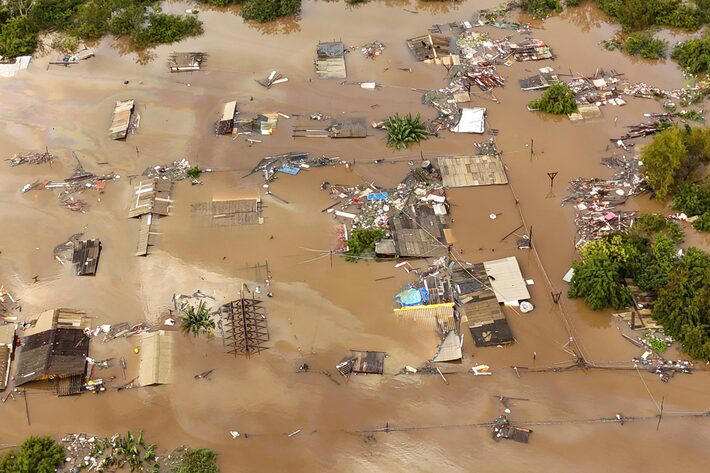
289, 170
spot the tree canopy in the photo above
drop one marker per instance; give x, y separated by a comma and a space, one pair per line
35, 455
558, 99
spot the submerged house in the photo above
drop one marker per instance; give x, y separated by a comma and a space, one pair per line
330, 60
156, 361
430, 47
225, 125
54, 348
186, 62
419, 235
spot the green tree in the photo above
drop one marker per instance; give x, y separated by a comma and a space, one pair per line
541, 8
693, 55
405, 130
362, 242
17, 38
702, 224
655, 266
269, 10
692, 199
663, 159
558, 99
165, 28
645, 45
197, 319
36, 455
198, 460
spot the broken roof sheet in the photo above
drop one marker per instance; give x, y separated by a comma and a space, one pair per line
506, 279
420, 235
330, 60
53, 353
121, 119
230, 109
472, 120
7, 334
464, 171
4, 366
85, 257
151, 196
156, 361
450, 348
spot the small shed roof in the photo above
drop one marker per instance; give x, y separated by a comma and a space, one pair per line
86, 257
121, 119
230, 212
59, 353
348, 128
506, 279
156, 361
230, 108
465, 171
4, 366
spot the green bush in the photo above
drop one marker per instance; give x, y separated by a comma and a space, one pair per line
198, 460
648, 226
362, 242
693, 55
18, 38
645, 45
558, 99
269, 10
36, 455
93, 20
165, 28
641, 14
53, 14
692, 199
127, 20
702, 224
541, 8
405, 130
221, 3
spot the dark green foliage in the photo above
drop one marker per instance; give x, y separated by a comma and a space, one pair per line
693, 55
221, 3
558, 100
647, 226
692, 199
93, 20
36, 455
573, 3
655, 266
702, 224
673, 155
405, 130
194, 172
362, 242
54, 14
17, 38
683, 305
703, 9
197, 319
269, 10
163, 28
199, 460
641, 14
541, 8
127, 20
645, 45
352, 2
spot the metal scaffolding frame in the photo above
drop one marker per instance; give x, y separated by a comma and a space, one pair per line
244, 327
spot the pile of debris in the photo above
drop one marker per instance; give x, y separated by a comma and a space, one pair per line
291, 163
595, 198
665, 369
79, 181
31, 158
175, 171
273, 79
372, 50
661, 122
599, 89
688, 95
503, 429
495, 17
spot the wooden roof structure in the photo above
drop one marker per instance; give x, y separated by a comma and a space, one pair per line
434, 315
222, 213
465, 171
480, 308
186, 62
429, 47
151, 196
58, 318
418, 236
506, 279
156, 360
55, 353
85, 257
121, 119
348, 128
330, 60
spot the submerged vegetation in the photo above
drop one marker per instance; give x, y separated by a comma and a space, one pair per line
198, 460
541, 8
262, 10
362, 243
694, 55
142, 22
197, 319
405, 130
673, 155
645, 45
558, 99
641, 14
694, 201
35, 455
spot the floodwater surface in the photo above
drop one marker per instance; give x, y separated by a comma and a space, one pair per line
323, 306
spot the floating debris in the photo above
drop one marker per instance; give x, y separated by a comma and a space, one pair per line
31, 158
372, 50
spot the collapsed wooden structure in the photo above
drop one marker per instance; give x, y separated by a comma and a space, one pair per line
225, 125
150, 200
341, 128
429, 47
85, 257
186, 62
362, 362
244, 326
121, 120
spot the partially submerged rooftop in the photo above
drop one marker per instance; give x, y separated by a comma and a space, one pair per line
156, 360
330, 60
54, 353
465, 171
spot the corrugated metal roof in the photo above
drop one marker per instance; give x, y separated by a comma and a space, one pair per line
156, 360
7, 334
464, 171
506, 279
450, 348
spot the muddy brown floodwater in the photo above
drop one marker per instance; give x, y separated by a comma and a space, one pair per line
321, 309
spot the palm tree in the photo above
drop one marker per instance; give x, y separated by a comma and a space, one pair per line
197, 319
404, 130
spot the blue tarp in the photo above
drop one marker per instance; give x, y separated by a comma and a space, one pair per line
412, 296
289, 170
378, 196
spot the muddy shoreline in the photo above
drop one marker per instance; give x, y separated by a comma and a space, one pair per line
320, 310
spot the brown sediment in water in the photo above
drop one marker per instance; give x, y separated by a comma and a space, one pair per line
321, 309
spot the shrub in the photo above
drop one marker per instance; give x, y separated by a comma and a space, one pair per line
693, 55
702, 224
197, 319
641, 14
541, 8
194, 172
93, 20
645, 45
405, 130
692, 199
165, 28
558, 99
220, 3
648, 226
17, 38
36, 455
269, 10
362, 242
663, 160
198, 460
127, 20
53, 14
